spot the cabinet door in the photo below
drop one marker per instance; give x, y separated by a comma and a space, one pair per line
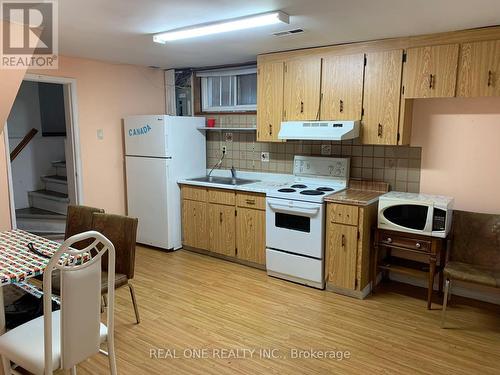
251, 235
302, 88
341, 255
194, 224
431, 72
479, 69
382, 96
342, 87
221, 229
269, 100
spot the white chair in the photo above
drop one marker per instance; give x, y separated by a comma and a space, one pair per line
62, 339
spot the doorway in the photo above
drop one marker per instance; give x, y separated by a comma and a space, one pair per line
43, 147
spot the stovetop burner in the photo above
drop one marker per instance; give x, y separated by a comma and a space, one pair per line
287, 190
311, 192
299, 186
324, 188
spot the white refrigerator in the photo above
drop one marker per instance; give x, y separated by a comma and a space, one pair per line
159, 151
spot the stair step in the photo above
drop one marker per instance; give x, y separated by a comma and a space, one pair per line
50, 195
36, 220
59, 164
55, 179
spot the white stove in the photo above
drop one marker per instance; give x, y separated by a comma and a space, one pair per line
295, 219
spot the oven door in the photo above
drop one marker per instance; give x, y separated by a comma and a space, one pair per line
405, 217
295, 227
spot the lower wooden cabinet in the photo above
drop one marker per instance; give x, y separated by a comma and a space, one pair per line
195, 224
225, 223
221, 229
348, 248
251, 235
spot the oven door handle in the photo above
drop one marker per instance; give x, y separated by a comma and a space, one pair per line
295, 209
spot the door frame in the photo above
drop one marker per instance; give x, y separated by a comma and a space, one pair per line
72, 139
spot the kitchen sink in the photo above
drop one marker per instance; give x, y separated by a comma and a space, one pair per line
224, 180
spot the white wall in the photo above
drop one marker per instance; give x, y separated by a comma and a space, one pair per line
34, 161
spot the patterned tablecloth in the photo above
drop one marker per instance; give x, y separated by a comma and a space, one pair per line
17, 262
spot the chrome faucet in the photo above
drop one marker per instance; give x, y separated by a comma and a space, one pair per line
233, 172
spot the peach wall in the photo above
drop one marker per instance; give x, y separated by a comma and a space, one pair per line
460, 140
106, 93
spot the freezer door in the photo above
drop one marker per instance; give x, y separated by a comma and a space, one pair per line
147, 199
146, 136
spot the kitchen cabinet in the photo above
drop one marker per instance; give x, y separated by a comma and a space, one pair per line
431, 72
302, 88
382, 97
225, 223
348, 248
195, 224
221, 229
479, 69
270, 78
342, 87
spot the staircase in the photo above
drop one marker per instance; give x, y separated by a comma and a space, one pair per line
46, 215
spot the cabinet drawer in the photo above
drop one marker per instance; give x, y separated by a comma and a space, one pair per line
220, 196
194, 193
406, 242
250, 200
343, 214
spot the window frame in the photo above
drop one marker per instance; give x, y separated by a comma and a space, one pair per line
233, 90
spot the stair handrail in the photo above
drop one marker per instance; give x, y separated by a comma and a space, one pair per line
20, 147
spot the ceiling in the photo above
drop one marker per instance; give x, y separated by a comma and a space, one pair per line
119, 30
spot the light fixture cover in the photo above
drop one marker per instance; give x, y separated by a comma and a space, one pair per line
242, 23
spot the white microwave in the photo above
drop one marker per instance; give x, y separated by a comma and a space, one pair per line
424, 214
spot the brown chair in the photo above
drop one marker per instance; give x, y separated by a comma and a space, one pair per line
122, 232
79, 219
474, 252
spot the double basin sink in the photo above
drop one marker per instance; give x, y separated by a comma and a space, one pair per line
224, 180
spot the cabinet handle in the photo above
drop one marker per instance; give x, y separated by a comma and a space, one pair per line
341, 106
250, 201
380, 129
389, 240
270, 129
220, 217
343, 241
490, 77
418, 246
301, 107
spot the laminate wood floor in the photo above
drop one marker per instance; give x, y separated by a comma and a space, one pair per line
193, 302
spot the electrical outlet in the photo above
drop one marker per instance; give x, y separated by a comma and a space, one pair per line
100, 134
326, 149
264, 157
228, 137
224, 149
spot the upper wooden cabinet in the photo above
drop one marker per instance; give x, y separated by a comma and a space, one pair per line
302, 88
269, 100
431, 72
342, 87
382, 95
479, 69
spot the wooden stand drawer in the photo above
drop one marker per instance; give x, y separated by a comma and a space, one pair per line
342, 214
194, 193
251, 200
221, 196
406, 242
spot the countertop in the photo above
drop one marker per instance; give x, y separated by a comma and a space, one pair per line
267, 181
360, 193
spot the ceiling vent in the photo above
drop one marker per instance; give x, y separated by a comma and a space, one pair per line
288, 32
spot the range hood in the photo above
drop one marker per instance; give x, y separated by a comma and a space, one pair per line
319, 130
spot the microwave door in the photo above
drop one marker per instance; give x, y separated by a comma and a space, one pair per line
413, 218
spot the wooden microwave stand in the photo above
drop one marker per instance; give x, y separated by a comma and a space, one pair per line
428, 249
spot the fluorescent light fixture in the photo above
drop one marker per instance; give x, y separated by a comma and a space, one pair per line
242, 23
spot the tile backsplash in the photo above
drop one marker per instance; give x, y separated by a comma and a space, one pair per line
397, 165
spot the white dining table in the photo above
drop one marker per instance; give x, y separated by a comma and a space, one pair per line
18, 263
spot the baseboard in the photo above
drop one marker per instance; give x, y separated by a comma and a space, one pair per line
468, 290
359, 294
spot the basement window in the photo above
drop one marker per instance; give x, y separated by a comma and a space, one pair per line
229, 90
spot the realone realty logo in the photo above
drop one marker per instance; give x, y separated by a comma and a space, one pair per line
29, 35
139, 131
